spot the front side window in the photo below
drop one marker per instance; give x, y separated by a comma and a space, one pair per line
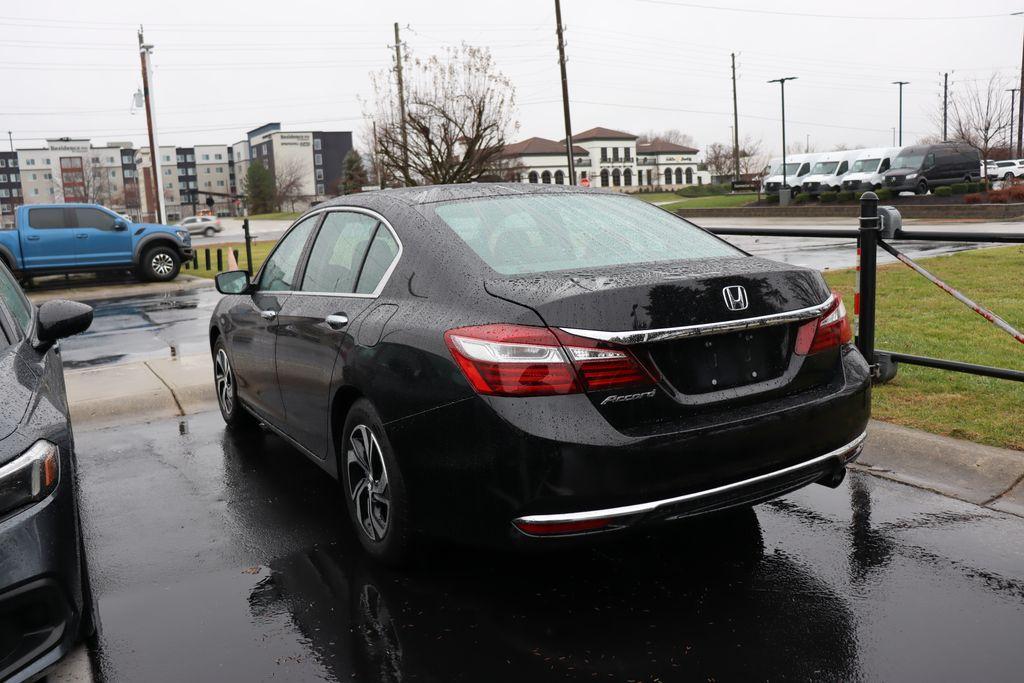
337, 256
544, 233
93, 218
15, 301
278, 272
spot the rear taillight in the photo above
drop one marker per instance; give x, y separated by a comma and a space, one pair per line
521, 360
832, 329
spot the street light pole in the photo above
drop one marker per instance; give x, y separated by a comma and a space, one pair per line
570, 162
901, 84
782, 90
1013, 94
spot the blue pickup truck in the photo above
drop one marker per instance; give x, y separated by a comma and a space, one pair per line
64, 238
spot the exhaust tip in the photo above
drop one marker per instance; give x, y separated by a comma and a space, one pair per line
834, 478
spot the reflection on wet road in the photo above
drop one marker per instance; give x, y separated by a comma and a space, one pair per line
228, 557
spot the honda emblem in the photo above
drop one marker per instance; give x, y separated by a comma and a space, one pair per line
735, 298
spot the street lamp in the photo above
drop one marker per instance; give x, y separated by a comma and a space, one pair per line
901, 84
782, 90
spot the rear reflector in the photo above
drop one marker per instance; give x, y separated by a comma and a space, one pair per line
832, 329
522, 360
561, 528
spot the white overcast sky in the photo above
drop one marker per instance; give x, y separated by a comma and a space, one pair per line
70, 67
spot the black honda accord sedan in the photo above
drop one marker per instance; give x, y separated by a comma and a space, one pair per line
516, 362
44, 596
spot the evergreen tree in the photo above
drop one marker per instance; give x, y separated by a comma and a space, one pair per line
353, 174
259, 189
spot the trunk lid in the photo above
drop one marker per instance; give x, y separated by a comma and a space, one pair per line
694, 374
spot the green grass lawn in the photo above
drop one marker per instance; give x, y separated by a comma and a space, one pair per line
914, 316
657, 196
259, 253
279, 216
712, 202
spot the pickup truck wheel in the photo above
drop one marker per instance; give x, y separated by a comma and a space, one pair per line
160, 264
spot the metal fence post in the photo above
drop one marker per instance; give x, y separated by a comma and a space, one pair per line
220, 261
867, 246
248, 246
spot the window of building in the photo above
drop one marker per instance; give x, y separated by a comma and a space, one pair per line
689, 176
627, 178
679, 176
181, 158
95, 160
317, 144
545, 177
318, 159
583, 174
3, 177
319, 188
190, 157
32, 176
49, 161
220, 169
110, 160
640, 177
4, 192
616, 178
169, 186
15, 192
220, 183
167, 157
47, 176
167, 171
319, 174
559, 178
604, 177
3, 162
615, 153
35, 191
218, 156
668, 176
533, 177
207, 184
627, 154
30, 162
604, 154
207, 169
206, 157
113, 174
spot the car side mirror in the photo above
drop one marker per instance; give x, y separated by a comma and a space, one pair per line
120, 224
60, 318
233, 282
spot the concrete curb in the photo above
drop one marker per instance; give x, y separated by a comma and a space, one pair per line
983, 475
84, 291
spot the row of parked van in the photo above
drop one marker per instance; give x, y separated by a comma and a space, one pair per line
916, 168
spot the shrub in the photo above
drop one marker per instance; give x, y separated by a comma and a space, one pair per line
827, 197
847, 196
958, 188
973, 187
974, 198
884, 194
771, 199
944, 191
802, 198
1016, 192
997, 197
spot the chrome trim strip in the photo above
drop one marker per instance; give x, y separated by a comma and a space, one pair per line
629, 510
702, 330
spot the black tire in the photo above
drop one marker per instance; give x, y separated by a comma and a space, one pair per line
922, 187
209, 232
1008, 177
226, 389
967, 179
160, 264
374, 490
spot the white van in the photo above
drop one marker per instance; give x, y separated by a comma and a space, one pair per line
867, 171
828, 171
797, 168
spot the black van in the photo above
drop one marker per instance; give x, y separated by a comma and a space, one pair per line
920, 168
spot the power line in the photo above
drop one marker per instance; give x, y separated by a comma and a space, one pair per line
865, 17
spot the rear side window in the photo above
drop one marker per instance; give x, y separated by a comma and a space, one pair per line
338, 253
46, 218
15, 301
93, 218
379, 258
278, 272
544, 232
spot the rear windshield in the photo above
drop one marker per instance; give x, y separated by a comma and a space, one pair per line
543, 233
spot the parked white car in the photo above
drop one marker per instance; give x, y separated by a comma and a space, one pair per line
201, 225
866, 173
1006, 170
828, 172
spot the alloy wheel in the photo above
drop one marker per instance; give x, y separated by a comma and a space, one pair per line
224, 380
368, 483
162, 264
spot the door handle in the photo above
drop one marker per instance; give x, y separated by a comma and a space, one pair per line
32, 238
82, 236
336, 321
268, 315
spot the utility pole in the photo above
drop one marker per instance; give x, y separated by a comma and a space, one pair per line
945, 107
401, 106
145, 52
1020, 104
735, 122
901, 84
376, 158
1013, 93
559, 31
10, 138
807, 144
782, 89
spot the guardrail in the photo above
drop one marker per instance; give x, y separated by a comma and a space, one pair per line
878, 230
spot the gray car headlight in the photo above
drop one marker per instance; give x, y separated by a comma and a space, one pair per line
30, 477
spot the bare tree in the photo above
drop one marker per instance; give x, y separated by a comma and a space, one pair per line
979, 115
753, 157
673, 135
459, 114
289, 177
719, 159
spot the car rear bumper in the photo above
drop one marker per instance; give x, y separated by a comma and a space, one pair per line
475, 466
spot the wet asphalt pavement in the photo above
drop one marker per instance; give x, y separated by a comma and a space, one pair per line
223, 557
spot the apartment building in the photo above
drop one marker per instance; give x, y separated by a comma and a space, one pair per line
313, 156
607, 158
10, 187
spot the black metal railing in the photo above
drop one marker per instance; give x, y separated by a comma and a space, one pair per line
879, 230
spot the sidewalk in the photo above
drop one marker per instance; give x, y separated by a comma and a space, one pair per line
87, 288
983, 475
